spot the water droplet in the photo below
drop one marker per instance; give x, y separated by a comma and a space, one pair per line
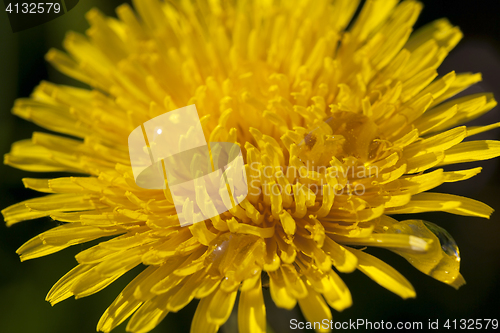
218, 249
448, 244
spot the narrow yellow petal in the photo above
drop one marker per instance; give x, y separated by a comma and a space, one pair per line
469, 108
62, 289
60, 238
424, 162
184, 292
242, 228
252, 311
37, 184
287, 222
342, 259
384, 274
124, 305
441, 261
438, 142
428, 202
461, 82
279, 293
149, 314
105, 273
473, 130
20, 212
221, 306
293, 282
471, 151
455, 176
401, 242
338, 296
315, 310
200, 321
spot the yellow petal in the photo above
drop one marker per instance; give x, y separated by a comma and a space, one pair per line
124, 305
106, 272
200, 321
473, 130
279, 293
252, 311
402, 242
62, 289
150, 314
315, 310
438, 142
428, 202
338, 296
455, 176
221, 306
60, 238
471, 151
435, 262
384, 274
342, 259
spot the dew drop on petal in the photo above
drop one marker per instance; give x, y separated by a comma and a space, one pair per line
448, 244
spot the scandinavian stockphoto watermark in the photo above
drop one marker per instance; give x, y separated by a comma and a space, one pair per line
26, 14
322, 180
356, 324
169, 152
202, 180
365, 324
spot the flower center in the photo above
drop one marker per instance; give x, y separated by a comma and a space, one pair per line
347, 134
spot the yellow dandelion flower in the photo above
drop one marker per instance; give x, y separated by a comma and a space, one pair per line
340, 129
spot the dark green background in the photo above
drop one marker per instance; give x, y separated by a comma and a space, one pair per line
23, 286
